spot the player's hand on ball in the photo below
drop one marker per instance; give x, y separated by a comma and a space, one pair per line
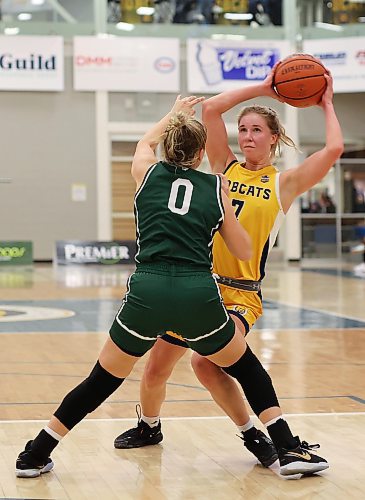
268, 85
327, 97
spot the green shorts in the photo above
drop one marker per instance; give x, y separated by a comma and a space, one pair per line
163, 297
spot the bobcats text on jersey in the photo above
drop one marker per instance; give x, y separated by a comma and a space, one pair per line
249, 190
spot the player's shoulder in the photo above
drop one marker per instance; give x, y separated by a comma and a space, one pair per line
205, 176
232, 165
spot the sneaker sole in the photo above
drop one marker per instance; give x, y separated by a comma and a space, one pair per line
302, 468
34, 472
125, 445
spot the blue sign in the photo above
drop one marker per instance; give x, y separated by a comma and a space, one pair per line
247, 64
218, 64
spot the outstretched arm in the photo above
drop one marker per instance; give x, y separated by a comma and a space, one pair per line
297, 180
218, 150
144, 155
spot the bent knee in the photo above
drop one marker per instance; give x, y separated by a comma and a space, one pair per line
206, 371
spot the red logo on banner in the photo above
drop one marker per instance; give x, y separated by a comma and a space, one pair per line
164, 64
93, 61
360, 56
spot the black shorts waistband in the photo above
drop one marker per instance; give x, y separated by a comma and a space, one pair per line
247, 285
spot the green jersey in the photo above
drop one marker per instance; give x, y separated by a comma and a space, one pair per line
177, 212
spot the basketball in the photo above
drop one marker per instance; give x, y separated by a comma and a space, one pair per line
299, 80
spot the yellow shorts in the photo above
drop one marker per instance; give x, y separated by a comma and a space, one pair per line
247, 306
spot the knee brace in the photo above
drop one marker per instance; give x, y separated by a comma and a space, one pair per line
255, 382
87, 396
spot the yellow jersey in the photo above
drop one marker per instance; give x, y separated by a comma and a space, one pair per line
256, 200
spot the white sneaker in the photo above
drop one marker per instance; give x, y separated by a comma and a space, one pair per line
358, 248
360, 270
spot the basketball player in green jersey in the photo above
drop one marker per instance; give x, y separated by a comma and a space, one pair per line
177, 210
261, 196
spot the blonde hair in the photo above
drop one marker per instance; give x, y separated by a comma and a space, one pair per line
272, 119
183, 140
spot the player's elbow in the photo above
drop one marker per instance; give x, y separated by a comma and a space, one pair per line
208, 110
339, 149
335, 150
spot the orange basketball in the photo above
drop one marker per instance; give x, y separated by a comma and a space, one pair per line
299, 80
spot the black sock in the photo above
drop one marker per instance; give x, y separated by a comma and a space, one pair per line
43, 445
281, 435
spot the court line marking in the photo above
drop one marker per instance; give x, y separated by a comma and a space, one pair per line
273, 301
200, 400
314, 309
330, 414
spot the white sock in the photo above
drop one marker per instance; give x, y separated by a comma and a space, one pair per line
270, 422
243, 428
151, 421
52, 433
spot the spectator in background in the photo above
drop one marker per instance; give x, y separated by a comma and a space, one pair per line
359, 203
114, 14
194, 11
322, 205
205, 8
275, 12
359, 270
326, 204
266, 12
164, 11
260, 12
183, 11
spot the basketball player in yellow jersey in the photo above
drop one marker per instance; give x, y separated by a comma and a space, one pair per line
255, 198
260, 196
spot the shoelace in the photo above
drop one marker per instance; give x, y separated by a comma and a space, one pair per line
309, 447
139, 415
256, 439
139, 412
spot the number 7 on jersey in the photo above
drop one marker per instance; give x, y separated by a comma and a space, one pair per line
239, 205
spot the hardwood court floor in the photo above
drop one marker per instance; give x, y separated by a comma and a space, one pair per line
311, 338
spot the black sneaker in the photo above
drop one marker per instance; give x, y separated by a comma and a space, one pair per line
299, 460
28, 466
142, 435
262, 447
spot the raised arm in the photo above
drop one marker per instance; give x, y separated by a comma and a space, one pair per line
218, 150
145, 154
235, 236
297, 180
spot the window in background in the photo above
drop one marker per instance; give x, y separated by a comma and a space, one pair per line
354, 188
322, 198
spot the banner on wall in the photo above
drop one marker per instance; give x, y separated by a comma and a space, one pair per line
95, 252
127, 64
31, 63
16, 253
344, 57
217, 65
